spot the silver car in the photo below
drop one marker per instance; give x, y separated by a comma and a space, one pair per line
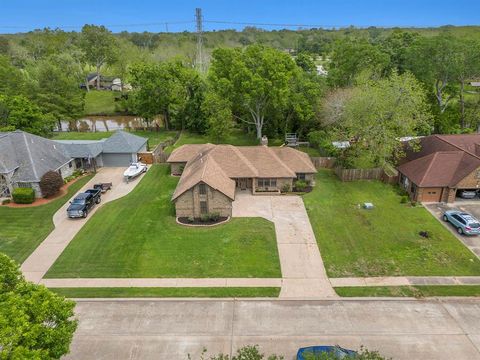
465, 223
468, 194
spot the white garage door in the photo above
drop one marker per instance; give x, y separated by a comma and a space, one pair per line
117, 160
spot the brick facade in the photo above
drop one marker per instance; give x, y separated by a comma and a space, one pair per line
188, 204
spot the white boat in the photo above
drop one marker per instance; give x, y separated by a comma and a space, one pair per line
134, 170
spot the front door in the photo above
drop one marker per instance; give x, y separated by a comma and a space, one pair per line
242, 183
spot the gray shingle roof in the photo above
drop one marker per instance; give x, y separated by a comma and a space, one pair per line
32, 155
82, 148
123, 142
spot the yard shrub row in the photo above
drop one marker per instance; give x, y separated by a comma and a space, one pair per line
23, 195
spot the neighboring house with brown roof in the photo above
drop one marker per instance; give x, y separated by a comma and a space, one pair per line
443, 165
211, 174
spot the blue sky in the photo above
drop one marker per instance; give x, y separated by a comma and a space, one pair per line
138, 15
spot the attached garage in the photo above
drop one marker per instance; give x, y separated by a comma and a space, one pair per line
431, 194
118, 159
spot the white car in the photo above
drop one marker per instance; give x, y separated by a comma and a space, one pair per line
134, 170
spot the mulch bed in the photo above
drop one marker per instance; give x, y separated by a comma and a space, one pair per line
197, 221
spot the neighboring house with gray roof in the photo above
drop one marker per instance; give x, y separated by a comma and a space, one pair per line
120, 149
25, 158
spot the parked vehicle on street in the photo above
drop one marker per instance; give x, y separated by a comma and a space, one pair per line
103, 187
134, 170
83, 202
464, 222
468, 194
310, 352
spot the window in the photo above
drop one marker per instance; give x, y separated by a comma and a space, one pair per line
70, 164
202, 189
203, 207
301, 176
24, 185
264, 183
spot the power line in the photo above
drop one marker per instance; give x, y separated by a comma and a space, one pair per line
164, 23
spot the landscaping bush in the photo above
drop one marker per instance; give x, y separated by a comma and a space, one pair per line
404, 199
300, 185
204, 217
286, 188
50, 183
191, 219
23, 195
215, 216
6, 201
77, 173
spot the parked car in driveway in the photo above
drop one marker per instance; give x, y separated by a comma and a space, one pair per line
312, 352
468, 194
463, 222
83, 202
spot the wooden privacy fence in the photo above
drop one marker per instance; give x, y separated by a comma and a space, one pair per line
367, 174
158, 155
323, 162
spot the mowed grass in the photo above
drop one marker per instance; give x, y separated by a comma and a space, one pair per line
23, 229
154, 137
383, 241
210, 292
409, 291
137, 236
100, 102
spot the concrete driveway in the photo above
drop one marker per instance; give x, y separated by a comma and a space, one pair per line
303, 273
38, 263
170, 329
437, 210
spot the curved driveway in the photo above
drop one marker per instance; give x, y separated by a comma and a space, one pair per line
38, 263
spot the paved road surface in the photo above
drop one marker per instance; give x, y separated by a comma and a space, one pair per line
170, 329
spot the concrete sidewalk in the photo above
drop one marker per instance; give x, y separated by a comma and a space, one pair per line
303, 272
38, 263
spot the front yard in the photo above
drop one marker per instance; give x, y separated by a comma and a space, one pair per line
355, 242
23, 229
137, 236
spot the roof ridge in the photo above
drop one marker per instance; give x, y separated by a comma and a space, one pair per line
441, 137
280, 160
244, 158
434, 155
27, 146
299, 155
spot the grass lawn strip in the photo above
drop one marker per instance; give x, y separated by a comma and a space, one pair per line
137, 237
168, 292
385, 241
23, 229
409, 291
100, 102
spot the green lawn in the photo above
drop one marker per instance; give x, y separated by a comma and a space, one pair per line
100, 102
409, 291
383, 241
154, 137
167, 292
137, 236
23, 229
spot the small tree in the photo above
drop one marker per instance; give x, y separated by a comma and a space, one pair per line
219, 116
35, 323
50, 183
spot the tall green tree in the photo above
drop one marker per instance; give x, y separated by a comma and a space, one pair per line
35, 323
352, 57
377, 113
17, 112
253, 79
99, 46
12, 81
219, 116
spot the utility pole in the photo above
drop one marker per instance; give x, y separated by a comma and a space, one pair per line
199, 60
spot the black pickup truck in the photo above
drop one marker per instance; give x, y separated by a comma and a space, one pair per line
83, 202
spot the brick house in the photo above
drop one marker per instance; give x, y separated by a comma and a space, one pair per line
444, 165
211, 174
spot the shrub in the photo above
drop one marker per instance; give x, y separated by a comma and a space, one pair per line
214, 216
404, 199
6, 201
286, 188
204, 217
77, 173
300, 185
50, 183
23, 195
191, 219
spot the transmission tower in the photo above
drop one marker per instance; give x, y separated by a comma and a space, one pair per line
199, 60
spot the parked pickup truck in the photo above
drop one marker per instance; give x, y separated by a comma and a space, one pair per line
83, 202
104, 187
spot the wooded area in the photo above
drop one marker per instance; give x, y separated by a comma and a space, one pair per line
382, 84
